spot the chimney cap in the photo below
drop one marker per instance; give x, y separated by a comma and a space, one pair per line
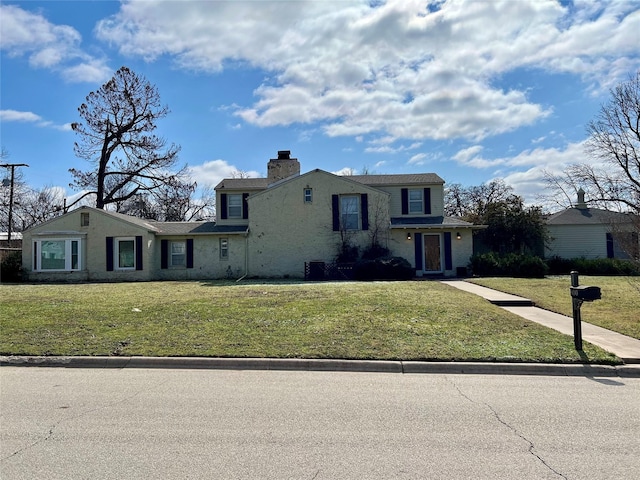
284, 154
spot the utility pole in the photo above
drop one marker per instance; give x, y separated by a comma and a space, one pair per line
12, 166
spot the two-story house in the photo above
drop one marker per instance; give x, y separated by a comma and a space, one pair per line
266, 227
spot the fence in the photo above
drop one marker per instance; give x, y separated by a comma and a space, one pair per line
317, 271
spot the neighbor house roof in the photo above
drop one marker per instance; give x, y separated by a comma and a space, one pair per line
588, 216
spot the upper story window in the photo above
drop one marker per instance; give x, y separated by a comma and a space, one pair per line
84, 219
416, 201
350, 212
308, 195
234, 205
416, 204
56, 254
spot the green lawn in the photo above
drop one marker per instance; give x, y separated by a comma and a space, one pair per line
618, 310
379, 320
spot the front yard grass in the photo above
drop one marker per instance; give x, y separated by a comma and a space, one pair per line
618, 310
379, 320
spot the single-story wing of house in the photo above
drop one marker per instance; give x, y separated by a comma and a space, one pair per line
583, 232
265, 227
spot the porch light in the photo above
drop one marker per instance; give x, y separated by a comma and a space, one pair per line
409, 236
458, 236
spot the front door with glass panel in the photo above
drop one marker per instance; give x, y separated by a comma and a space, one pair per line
432, 254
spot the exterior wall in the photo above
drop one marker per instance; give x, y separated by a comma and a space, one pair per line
286, 232
577, 241
207, 263
93, 247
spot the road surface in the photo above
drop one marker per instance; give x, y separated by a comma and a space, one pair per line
58, 423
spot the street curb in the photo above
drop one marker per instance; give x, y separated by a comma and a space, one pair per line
327, 365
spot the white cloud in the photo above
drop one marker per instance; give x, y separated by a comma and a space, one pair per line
210, 173
30, 117
48, 46
395, 69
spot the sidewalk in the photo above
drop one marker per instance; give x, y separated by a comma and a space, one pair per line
626, 348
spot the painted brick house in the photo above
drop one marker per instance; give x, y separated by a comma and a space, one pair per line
266, 227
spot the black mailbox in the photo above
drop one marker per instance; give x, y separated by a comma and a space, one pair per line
586, 294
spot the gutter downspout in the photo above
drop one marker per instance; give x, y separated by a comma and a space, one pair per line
246, 257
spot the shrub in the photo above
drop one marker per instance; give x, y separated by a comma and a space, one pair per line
11, 267
593, 266
510, 265
375, 251
384, 268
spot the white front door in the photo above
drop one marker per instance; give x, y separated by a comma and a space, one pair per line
432, 253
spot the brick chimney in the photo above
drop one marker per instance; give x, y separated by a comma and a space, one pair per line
282, 167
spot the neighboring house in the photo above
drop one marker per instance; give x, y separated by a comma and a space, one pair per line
266, 227
582, 232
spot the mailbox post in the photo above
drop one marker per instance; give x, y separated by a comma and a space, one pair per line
580, 294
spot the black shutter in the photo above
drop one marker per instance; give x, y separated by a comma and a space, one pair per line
109, 254
364, 206
189, 252
448, 260
245, 206
164, 253
138, 252
223, 206
405, 201
418, 247
35, 256
427, 201
609, 245
335, 210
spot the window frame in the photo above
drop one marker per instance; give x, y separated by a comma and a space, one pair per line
84, 219
223, 244
233, 198
308, 195
69, 254
355, 199
176, 255
116, 253
415, 205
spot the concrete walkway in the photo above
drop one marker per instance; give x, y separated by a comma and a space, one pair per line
624, 347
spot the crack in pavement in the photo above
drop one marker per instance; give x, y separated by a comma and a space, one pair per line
51, 431
510, 427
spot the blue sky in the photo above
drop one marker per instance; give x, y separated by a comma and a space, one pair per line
471, 90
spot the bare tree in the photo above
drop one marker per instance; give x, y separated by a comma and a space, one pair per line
614, 139
471, 203
117, 138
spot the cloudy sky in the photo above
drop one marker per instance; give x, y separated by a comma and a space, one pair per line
469, 89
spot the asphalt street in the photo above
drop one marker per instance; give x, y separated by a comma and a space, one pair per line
76, 423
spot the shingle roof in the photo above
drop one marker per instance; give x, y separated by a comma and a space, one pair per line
191, 228
397, 179
587, 216
430, 222
243, 184
370, 180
